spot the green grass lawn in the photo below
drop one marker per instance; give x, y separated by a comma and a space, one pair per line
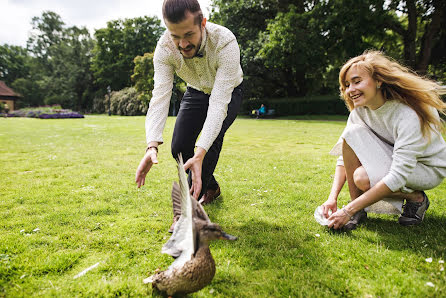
68, 201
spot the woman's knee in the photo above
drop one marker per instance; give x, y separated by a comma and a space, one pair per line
361, 179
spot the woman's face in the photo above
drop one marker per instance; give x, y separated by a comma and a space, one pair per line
362, 89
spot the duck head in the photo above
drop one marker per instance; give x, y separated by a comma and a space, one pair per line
209, 231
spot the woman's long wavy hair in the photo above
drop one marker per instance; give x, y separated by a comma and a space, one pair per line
399, 83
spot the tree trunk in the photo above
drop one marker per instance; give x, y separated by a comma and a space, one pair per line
411, 35
427, 41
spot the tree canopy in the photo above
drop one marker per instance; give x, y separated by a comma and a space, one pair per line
289, 48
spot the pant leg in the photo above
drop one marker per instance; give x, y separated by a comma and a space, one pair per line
189, 122
376, 158
211, 159
188, 125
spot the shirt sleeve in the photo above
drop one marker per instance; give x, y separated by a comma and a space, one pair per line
162, 91
225, 82
409, 146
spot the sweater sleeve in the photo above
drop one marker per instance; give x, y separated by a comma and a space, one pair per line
162, 91
225, 82
409, 146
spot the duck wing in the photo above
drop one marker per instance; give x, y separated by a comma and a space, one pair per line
176, 199
199, 213
181, 244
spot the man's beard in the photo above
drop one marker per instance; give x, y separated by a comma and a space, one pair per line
189, 47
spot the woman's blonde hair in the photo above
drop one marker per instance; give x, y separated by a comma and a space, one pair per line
399, 83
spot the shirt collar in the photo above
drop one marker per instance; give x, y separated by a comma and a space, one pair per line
201, 51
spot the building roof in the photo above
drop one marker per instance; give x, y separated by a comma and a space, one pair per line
6, 91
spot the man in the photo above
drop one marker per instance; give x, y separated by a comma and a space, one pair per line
207, 57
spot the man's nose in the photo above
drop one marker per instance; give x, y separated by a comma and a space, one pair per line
183, 43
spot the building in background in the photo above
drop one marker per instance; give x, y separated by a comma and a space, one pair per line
8, 96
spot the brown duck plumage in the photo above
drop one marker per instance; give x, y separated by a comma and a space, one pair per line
194, 266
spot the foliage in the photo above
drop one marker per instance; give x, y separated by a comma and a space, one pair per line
308, 105
296, 47
63, 57
14, 63
80, 206
116, 47
142, 76
247, 19
46, 112
126, 103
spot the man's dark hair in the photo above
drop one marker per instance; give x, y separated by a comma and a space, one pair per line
175, 11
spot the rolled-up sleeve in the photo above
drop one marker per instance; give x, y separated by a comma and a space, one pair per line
162, 91
228, 77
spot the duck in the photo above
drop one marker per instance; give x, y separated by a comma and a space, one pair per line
193, 267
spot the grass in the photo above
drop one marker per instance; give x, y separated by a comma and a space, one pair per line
68, 201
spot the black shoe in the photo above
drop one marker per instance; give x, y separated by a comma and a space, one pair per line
356, 219
413, 213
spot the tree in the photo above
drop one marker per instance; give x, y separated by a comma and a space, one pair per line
419, 26
143, 82
14, 63
142, 76
62, 62
247, 19
116, 47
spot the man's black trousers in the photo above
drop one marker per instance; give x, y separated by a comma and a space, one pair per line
190, 119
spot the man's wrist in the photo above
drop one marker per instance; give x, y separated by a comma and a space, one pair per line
152, 147
200, 152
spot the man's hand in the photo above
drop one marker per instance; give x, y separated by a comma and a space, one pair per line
194, 164
149, 159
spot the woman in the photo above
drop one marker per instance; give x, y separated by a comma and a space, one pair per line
392, 148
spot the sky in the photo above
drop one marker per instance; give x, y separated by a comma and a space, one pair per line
16, 15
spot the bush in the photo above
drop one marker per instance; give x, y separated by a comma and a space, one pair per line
46, 112
99, 105
311, 105
126, 103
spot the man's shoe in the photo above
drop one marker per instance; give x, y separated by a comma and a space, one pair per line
210, 196
356, 219
175, 219
413, 213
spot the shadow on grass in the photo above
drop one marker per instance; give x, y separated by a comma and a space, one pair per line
287, 261
428, 237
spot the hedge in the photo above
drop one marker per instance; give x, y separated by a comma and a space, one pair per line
316, 105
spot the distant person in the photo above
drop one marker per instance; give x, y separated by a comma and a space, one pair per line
207, 57
6, 108
262, 110
392, 148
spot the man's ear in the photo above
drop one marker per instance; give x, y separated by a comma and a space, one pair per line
203, 23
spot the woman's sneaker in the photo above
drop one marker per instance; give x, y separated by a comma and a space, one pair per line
413, 213
356, 219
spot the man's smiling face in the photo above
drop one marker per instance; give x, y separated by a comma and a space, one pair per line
187, 35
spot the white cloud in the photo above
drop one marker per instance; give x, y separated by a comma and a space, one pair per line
15, 23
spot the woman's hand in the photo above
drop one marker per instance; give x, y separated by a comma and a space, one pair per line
330, 204
338, 219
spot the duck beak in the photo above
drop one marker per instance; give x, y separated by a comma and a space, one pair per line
227, 237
